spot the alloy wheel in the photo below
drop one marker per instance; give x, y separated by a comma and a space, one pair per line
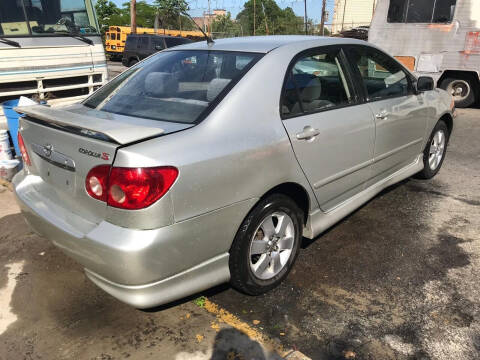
272, 245
437, 148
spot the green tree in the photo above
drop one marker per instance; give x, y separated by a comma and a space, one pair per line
269, 15
107, 11
225, 26
171, 14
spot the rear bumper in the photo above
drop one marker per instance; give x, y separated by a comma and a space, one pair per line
143, 268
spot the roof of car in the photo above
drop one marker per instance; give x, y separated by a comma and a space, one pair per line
264, 44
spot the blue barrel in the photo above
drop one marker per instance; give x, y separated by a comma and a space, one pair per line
12, 121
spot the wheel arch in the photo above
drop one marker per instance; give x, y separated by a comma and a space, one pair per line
294, 191
448, 119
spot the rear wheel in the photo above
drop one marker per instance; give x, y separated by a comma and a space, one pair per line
435, 150
266, 245
462, 89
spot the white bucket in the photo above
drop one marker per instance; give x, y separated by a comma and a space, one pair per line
5, 151
8, 168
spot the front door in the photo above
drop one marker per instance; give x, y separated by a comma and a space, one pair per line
400, 114
331, 133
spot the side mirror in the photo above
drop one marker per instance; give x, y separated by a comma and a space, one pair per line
158, 47
425, 83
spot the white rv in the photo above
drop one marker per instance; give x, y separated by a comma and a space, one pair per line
438, 38
50, 50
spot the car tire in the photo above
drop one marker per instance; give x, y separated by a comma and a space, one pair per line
266, 245
132, 62
463, 90
434, 152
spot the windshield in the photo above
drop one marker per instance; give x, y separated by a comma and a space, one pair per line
46, 17
178, 86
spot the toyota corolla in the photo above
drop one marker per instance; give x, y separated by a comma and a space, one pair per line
208, 163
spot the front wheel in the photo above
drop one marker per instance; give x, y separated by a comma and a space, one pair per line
435, 150
266, 245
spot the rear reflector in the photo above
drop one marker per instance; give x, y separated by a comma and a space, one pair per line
23, 150
129, 188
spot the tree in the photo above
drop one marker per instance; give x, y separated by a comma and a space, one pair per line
107, 11
225, 26
268, 13
172, 12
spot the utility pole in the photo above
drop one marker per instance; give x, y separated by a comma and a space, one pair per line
344, 7
306, 29
322, 23
209, 14
254, 6
133, 16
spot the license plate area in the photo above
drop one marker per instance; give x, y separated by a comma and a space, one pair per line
56, 168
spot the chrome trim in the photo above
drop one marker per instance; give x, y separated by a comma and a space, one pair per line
47, 153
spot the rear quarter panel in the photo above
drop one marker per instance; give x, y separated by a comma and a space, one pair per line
240, 151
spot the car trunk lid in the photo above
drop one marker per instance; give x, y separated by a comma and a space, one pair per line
64, 145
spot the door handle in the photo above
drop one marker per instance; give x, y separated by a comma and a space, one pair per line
382, 115
308, 133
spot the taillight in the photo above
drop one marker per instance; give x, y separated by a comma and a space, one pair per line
23, 150
96, 182
129, 188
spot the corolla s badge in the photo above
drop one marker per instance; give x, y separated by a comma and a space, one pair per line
47, 150
103, 155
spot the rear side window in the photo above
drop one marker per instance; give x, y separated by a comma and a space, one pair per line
142, 42
316, 82
171, 42
157, 43
421, 11
178, 86
381, 75
131, 42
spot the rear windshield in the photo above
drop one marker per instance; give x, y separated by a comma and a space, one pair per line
178, 86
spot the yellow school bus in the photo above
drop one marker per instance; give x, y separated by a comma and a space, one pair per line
116, 36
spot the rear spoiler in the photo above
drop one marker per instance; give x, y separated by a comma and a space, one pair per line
103, 129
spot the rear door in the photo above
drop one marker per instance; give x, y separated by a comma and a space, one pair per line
331, 132
400, 114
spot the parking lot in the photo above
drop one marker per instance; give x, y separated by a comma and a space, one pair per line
397, 279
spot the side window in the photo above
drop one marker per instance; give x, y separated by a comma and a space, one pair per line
171, 42
131, 42
316, 82
396, 11
421, 11
142, 42
382, 76
157, 44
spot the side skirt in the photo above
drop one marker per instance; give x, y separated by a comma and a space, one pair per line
319, 221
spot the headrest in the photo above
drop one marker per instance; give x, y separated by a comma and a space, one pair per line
161, 84
312, 91
215, 87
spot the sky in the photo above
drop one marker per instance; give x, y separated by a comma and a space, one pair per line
314, 7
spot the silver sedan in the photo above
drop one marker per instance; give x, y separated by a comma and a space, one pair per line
207, 163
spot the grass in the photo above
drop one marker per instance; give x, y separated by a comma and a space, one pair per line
200, 301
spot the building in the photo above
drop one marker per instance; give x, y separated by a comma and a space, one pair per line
348, 14
207, 19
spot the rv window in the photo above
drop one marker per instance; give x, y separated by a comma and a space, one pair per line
421, 11
396, 11
444, 10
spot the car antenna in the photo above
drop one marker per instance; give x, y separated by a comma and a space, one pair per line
208, 38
